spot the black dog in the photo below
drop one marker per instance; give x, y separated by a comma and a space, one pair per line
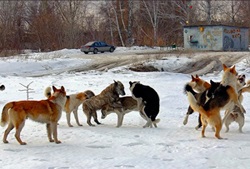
147, 100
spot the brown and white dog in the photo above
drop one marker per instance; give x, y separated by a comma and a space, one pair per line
72, 103
236, 115
199, 85
110, 96
44, 111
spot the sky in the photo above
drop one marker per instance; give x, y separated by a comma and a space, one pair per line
171, 145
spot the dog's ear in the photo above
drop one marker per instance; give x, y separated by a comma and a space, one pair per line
115, 82
54, 88
232, 70
212, 82
224, 67
192, 77
130, 83
197, 76
62, 88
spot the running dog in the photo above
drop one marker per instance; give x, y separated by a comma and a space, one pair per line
45, 111
72, 103
148, 97
224, 97
128, 104
110, 96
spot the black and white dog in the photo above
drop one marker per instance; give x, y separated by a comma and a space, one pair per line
148, 102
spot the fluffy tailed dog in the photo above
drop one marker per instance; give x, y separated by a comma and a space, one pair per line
201, 99
128, 104
224, 97
110, 96
199, 85
72, 103
44, 111
148, 97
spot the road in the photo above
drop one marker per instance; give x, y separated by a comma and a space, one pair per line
203, 62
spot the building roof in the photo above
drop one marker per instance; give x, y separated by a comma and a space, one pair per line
187, 26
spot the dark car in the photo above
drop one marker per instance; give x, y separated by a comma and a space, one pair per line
97, 46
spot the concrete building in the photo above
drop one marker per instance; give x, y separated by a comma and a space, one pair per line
216, 38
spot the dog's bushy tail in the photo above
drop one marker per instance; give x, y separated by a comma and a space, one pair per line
5, 114
47, 92
194, 105
188, 88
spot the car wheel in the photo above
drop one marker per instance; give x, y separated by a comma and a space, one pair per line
111, 50
102, 51
95, 51
86, 52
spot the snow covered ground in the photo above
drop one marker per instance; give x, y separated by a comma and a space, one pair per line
171, 145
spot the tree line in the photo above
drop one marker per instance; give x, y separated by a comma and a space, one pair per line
56, 24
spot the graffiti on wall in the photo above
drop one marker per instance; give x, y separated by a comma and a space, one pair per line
228, 43
209, 39
231, 35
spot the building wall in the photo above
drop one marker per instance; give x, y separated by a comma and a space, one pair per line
235, 38
215, 38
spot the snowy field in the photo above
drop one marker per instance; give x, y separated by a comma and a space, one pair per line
172, 145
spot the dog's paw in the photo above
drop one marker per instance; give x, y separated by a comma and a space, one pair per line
58, 142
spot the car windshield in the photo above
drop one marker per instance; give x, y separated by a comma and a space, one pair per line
89, 44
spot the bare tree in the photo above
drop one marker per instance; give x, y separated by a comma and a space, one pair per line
11, 24
71, 12
152, 16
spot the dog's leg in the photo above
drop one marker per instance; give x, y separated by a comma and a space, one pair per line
68, 119
154, 123
199, 123
53, 127
104, 113
119, 119
89, 120
19, 128
227, 121
76, 117
204, 125
227, 126
240, 127
189, 112
7, 131
148, 124
49, 134
87, 112
94, 114
217, 130
144, 116
241, 123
